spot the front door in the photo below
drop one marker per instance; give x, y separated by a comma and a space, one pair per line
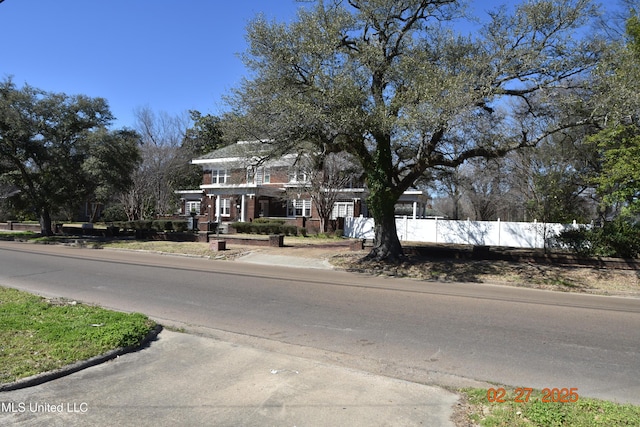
264, 208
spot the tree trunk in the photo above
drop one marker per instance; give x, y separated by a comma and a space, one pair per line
95, 207
323, 224
45, 222
386, 246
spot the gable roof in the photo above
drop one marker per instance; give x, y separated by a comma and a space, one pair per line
241, 149
243, 152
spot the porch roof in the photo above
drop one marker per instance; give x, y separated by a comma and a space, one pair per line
411, 196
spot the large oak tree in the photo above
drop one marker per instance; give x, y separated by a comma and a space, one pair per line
57, 152
619, 107
399, 86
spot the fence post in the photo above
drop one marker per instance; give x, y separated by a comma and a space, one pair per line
436, 229
406, 227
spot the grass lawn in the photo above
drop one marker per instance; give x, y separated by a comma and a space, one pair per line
14, 233
39, 335
534, 411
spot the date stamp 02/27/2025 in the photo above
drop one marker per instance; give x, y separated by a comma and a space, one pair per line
522, 395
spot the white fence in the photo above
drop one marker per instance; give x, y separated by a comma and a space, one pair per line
486, 233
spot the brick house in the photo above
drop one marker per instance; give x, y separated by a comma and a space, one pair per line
238, 185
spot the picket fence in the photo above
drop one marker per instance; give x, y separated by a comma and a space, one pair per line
483, 233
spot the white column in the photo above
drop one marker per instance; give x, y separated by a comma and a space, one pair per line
243, 217
218, 207
415, 209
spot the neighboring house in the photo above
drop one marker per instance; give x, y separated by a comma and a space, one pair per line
239, 185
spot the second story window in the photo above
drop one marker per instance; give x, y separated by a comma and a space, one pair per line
259, 175
219, 176
297, 176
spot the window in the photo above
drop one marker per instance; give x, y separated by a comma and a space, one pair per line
297, 176
262, 176
225, 207
298, 207
192, 206
219, 176
342, 210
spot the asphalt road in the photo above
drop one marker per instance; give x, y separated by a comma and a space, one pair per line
447, 334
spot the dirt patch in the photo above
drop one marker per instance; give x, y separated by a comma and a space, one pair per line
416, 265
521, 274
536, 275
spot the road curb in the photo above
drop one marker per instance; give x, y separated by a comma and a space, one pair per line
78, 366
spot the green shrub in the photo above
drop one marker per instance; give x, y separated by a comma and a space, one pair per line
157, 225
618, 238
268, 221
119, 225
180, 226
162, 225
114, 213
576, 240
138, 225
263, 227
268, 228
242, 227
289, 230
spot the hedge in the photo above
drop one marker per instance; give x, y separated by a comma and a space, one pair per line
618, 238
268, 221
179, 226
263, 227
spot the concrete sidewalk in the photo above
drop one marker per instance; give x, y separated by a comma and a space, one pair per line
285, 260
187, 380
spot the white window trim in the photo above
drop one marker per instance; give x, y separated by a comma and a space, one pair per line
251, 175
297, 176
189, 206
303, 204
225, 207
219, 176
342, 209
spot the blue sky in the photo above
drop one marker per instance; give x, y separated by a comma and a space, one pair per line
168, 55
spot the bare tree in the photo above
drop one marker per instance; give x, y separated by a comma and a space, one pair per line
163, 164
327, 176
